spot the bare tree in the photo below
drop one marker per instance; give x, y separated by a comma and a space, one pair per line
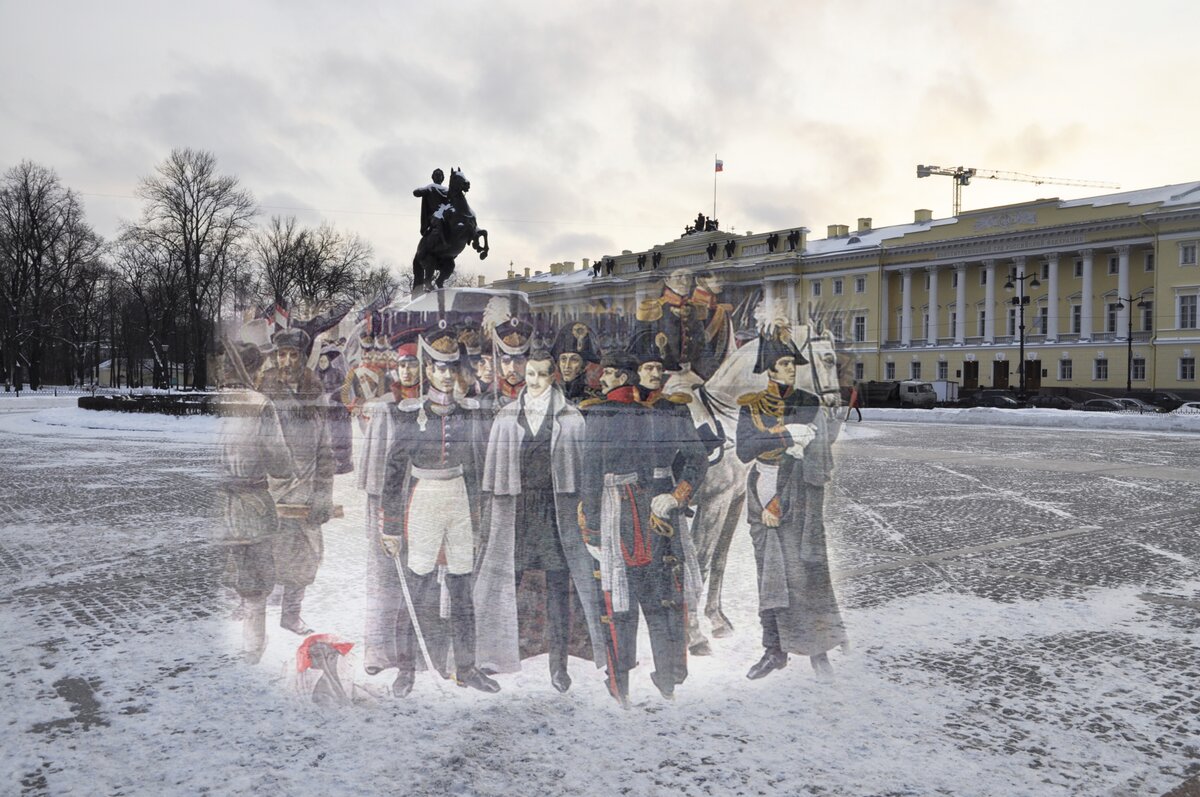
197, 216
315, 267
153, 279
42, 232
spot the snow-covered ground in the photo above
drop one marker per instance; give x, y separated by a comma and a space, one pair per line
1013, 632
1044, 418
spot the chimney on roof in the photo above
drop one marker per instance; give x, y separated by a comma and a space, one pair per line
482, 280
568, 266
586, 265
864, 224
527, 272
922, 215
838, 231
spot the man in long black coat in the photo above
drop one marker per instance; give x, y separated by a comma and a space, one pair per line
642, 461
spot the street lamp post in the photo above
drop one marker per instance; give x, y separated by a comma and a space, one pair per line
1121, 300
1019, 301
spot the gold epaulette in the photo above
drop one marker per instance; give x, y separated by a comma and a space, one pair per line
679, 398
747, 399
591, 402
650, 309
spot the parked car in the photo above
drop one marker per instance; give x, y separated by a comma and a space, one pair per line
1187, 408
992, 398
1137, 405
1104, 405
1053, 402
1164, 399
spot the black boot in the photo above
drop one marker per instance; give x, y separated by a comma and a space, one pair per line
618, 687
771, 660
403, 683
560, 680
824, 669
472, 677
666, 686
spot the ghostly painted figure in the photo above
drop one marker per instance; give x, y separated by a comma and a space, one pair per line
642, 461
532, 473
776, 427
305, 502
252, 450
575, 351
431, 498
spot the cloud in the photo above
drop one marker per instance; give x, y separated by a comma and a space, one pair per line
576, 245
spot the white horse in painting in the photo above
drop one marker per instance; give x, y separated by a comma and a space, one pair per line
721, 498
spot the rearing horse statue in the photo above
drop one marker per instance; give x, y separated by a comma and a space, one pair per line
451, 227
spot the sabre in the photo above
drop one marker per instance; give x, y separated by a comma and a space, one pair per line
412, 615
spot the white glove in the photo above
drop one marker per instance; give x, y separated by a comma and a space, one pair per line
391, 545
801, 433
594, 550
663, 505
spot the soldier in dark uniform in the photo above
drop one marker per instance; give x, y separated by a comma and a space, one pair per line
406, 379
511, 340
575, 352
430, 502
797, 606
642, 461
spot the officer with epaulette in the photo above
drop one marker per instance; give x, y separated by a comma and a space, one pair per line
575, 352
676, 329
642, 461
430, 502
797, 606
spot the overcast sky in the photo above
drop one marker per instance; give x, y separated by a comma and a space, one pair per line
586, 129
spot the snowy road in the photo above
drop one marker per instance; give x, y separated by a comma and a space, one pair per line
1023, 604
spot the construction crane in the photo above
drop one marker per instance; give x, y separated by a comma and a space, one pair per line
962, 176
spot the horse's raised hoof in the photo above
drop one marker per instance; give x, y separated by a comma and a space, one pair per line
721, 627
701, 648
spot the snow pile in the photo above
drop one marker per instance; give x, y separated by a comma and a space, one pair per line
74, 422
1045, 418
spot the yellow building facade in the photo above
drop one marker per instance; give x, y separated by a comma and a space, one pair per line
1111, 288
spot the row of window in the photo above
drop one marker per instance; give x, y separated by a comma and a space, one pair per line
839, 286
1187, 317
1066, 370
1187, 257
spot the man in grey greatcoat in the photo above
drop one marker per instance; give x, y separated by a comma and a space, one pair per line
532, 472
304, 502
785, 432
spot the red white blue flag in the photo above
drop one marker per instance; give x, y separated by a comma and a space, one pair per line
720, 166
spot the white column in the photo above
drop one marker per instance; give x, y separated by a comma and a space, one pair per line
885, 281
1051, 329
932, 329
769, 296
792, 301
1123, 292
989, 302
906, 307
1085, 321
960, 305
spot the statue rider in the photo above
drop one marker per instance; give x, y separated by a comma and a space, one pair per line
433, 196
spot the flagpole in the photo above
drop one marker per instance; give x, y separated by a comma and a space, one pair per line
714, 215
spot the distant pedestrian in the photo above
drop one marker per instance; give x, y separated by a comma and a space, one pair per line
854, 404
